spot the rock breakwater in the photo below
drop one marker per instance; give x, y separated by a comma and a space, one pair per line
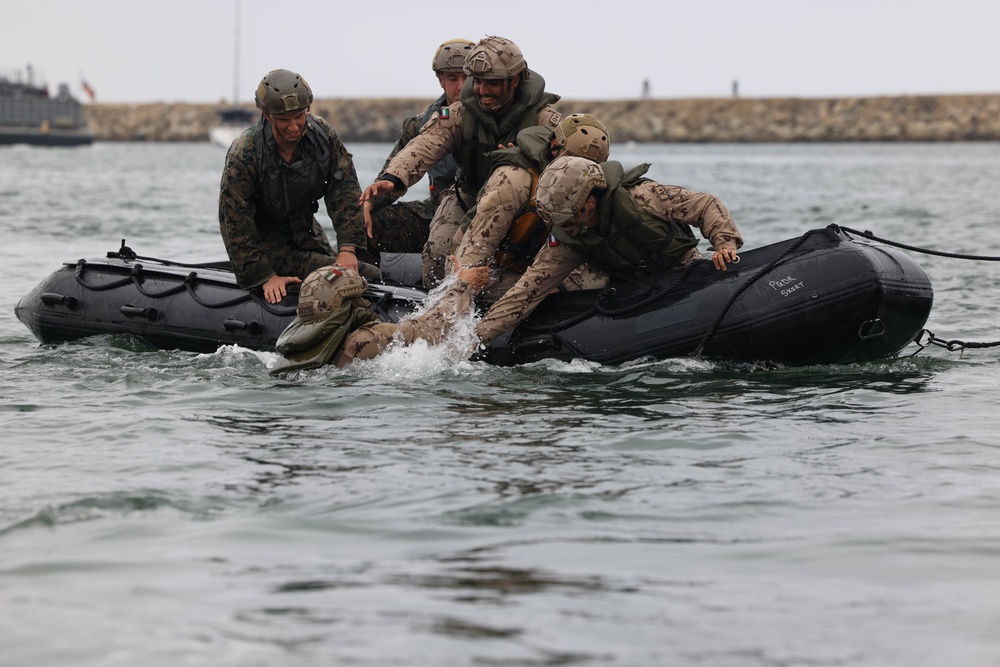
742, 120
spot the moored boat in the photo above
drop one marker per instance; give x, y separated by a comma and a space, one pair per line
824, 297
28, 115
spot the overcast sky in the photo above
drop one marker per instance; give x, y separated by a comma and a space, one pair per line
183, 50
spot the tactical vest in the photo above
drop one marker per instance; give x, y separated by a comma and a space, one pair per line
482, 132
442, 174
628, 242
285, 188
527, 232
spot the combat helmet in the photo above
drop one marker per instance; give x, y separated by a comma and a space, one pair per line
282, 91
564, 186
495, 58
323, 318
450, 56
581, 134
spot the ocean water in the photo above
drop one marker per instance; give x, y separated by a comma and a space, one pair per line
170, 508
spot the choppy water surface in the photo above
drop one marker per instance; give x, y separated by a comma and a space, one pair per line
169, 508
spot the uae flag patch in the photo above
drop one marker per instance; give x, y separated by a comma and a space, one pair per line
552, 241
444, 113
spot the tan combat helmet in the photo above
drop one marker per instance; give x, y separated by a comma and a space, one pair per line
495, 58
283, 91
322, 320
564, 186
583, 135
450, 56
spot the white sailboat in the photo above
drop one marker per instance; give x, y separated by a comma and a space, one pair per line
235, 119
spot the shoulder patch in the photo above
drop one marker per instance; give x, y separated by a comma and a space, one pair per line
552, 241
444, 113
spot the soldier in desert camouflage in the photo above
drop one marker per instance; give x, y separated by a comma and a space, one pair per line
274, 175
500, 98
506, 232
616, 220
333, 324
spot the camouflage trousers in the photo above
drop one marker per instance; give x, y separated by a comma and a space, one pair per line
440, 238
432, 326
301, 263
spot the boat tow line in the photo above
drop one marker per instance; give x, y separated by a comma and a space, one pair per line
927, 338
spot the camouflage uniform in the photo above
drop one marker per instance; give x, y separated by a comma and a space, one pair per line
505, 194
432, 326
403, 226
261, 247
555, 261
440, 137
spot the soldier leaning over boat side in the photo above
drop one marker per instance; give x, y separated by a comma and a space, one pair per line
616, 220
505, 232
403, 226
333, 323
275, 173
501, 97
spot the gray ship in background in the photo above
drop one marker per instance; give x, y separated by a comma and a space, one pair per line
28, 115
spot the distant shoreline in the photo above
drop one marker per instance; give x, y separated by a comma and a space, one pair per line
709, 120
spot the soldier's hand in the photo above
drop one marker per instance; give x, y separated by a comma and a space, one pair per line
476, 277
724, 256
375, 189
348, 260
367, 208
275, 289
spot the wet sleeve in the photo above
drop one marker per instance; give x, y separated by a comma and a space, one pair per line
434, 324
550, 267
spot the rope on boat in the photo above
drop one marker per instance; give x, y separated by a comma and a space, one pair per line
135, 277
926, 251
926, 336
754, 277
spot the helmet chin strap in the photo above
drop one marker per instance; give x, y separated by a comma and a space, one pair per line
508, 96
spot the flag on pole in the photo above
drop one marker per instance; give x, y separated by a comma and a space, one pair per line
87, 89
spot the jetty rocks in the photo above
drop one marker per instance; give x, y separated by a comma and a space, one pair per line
724, 120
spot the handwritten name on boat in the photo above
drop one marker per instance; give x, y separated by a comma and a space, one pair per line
786, 285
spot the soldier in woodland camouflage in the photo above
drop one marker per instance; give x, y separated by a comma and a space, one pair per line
275, 172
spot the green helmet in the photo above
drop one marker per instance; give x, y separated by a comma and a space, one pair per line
283, 91
583, 135
564, 186
495, 58
325, 315
450, 56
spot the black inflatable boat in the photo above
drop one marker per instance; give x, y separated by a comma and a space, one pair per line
825, 297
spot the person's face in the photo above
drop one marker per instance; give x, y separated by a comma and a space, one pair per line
288, 127
494, 95
451, 83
